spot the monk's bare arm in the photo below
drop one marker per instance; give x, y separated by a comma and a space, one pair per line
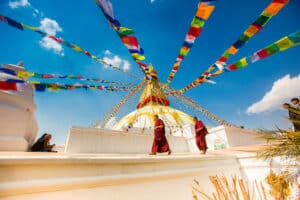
160, 126
199, 129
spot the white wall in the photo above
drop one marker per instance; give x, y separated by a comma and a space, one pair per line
114, 177
96, 140
137, 140
43, 176
18, 125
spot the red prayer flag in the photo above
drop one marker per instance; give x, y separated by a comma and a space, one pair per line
59, 40
8, 85
232, 67
87, 53
222, 59
47, 76
262, 53
281, 1
131, 40
195, 31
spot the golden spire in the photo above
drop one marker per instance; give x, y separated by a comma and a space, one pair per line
153, 94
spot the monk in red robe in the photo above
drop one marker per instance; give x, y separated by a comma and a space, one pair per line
160, 142
201, 132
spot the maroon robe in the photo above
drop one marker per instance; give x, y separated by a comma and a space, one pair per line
160, 142
200, 135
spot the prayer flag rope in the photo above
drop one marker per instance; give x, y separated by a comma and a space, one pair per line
205, 9
194, 105
280, 45
125, 34
22, 26
112, 112
271, 10
26, 75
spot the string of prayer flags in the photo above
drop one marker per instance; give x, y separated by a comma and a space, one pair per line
26, 74
205, 9
280, 45
22, 26
125, 34
271, 10
18, 85
8, 71
41, 87
112, 112
12, 85
196, 106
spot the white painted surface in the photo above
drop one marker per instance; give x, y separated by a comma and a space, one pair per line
137, 140
112, 177
109, 177
96, 140
17, 121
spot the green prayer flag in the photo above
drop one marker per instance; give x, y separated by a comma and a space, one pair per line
244, 38
271, 49
197, 23
123, 31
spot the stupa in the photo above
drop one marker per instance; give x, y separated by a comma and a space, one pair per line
153, 101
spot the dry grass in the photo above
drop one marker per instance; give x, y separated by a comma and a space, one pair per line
235, 189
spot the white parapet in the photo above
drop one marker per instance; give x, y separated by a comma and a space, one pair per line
18, 125
36, 176
110, 177
97, 140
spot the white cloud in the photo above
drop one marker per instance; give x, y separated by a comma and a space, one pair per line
25, 3
51, 27
37, 13
20, 3
116, 60
126, 65
282, 91
107, 52
50, 44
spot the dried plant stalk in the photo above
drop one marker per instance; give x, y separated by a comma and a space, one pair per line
237, 190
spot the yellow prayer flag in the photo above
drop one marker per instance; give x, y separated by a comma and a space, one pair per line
244, 61
218, 72
184, 50
212, 67
284, 43
52, 87
30, 27
138, 56
251, 31
204, 10
77, 48
24, 74
176, 64
93, 87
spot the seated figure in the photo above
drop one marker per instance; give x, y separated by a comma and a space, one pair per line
43, 144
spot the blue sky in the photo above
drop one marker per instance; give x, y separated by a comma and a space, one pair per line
160, 27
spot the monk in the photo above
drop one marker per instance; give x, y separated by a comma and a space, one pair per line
43, 144
160, 142
201, 132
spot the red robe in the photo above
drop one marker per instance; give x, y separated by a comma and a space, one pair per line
200, 136
160, 142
